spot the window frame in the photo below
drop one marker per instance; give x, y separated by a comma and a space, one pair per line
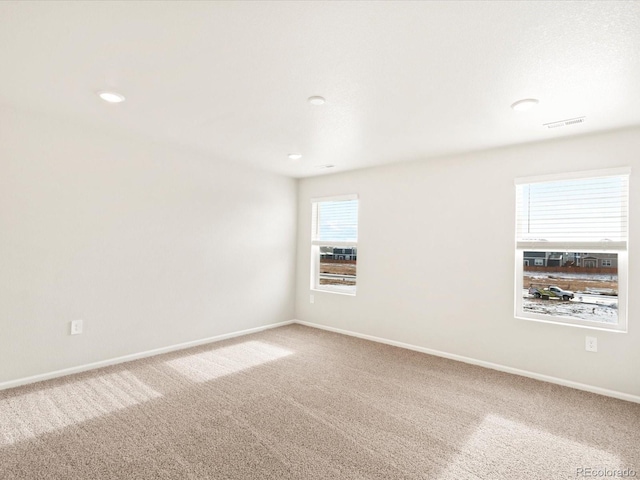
315, 285
620, 248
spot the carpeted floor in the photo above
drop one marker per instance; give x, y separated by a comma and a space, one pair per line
297, 402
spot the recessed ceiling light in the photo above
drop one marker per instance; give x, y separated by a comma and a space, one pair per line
111, 97
295, 156
316, 100
524, 104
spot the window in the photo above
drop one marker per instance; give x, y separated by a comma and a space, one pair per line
334, 244
576, 228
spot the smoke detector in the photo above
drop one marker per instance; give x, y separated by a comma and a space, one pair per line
565, 123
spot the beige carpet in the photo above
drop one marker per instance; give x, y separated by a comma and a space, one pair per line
297, 402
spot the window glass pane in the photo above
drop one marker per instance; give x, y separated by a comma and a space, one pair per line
338, 267
587, 209
576, 285
334, 244
337, 221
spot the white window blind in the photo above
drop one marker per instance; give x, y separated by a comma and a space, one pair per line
590, 211
335, 221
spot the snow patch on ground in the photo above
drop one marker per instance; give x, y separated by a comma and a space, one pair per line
576, 276
585, 307
596, 303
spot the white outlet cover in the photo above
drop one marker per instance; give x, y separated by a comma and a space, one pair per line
76, 327
591, 344
311, 299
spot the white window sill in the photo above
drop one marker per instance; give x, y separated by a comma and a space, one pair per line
560, 321
337, 292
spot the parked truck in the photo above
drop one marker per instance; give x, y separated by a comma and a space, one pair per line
547, 292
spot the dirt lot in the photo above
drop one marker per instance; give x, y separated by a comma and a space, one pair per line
337, 269
575, 284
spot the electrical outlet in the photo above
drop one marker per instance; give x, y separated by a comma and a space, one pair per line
76, 327
311, 299
591, 344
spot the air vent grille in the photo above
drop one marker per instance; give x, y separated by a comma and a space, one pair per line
565, 123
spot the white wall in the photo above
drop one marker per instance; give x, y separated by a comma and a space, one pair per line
436, 260
150, 245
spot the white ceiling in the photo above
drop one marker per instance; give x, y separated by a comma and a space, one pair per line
403, 80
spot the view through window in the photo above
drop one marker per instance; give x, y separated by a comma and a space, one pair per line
571, 249
334, 250
571, 284
338, 266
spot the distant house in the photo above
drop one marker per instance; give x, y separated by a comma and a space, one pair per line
599, 260
555, 260
535, 259
571, 259
339, 253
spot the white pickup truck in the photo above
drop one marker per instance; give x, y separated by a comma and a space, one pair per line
550, 291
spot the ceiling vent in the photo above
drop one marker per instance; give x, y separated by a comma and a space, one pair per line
565, 123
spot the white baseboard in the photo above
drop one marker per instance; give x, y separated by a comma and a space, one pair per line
494, 366
135, 356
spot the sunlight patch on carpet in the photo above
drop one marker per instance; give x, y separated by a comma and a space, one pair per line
213, 364
503, 448
49, 409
